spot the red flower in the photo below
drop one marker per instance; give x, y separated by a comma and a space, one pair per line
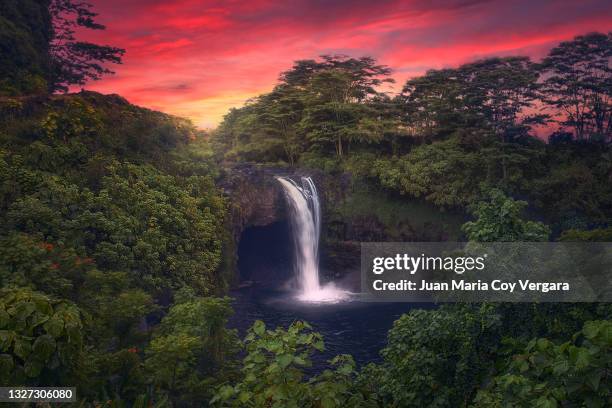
47, 246
55, 266
133, 350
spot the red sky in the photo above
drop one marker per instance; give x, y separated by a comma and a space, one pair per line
198, 58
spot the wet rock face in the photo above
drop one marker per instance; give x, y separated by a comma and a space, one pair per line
256, 198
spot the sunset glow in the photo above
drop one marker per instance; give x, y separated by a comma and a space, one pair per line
199, 58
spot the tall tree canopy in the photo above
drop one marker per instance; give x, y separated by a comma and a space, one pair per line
74, 62
578, 83
318, 104
40, 50
493, 93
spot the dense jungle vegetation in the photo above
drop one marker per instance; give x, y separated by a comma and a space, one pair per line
113, 238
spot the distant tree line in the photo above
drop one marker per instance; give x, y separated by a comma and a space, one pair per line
337, 103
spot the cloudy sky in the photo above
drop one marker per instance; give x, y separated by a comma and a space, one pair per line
198, 58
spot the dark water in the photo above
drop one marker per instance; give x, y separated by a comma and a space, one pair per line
353, 327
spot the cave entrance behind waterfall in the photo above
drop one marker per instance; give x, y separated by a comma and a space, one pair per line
265, 254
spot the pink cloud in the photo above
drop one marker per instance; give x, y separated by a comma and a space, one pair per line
199, 58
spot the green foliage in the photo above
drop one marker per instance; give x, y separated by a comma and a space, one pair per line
25, 33
40, 339
273, 373
429, 171
575, 190
176, 230
335, 114
546, 374
499, 220
140, 221
595, 235
445, 357
318, 105
450, 173
191, 350
435, 358
76, 119
373, 215
105, 205
40, 49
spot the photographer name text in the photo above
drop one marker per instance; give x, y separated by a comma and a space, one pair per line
470, 286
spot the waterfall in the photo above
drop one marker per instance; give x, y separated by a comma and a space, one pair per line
305, 217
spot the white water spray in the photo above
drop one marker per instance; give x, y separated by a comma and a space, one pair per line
305, 212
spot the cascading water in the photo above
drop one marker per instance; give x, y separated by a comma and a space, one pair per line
305, 212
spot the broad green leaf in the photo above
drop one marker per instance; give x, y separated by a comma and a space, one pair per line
54, 326
43, 347
328, 402
4, 318
244, 396
24, 309
284, 360
6, 339
259, 327
544, 402
346, 369
560, 366
583, 359
593, 379
32, 367
590, 330
22, 348
6, 364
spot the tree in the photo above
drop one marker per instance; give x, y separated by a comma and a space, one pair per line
25, 33
499, 220
436, 358
498, 90
281, 114
336, 95
443, 173
75, 62
191, 350
365, 74
578, 83
266, 128
317, 105
431, 104
336, 112
490, 95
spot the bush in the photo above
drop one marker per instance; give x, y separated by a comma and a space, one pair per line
549, 375
273, 373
